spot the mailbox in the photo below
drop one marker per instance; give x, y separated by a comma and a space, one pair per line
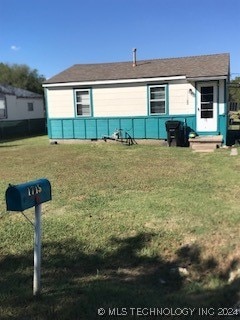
26, 195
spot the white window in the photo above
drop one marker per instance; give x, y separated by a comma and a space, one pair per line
83, 102
157, 99
3, 109
30, 106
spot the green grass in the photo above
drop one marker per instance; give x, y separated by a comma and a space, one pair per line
121, 222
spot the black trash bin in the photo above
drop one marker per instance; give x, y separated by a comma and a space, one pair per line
174, 132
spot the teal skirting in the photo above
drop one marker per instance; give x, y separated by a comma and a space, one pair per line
137, 127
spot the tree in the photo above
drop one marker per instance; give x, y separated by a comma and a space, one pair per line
21, 76
234, 90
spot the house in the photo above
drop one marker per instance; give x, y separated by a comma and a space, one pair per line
88, 101
21, 112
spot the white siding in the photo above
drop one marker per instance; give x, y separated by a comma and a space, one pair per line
17, 108
120, 101
126, 100
181, 98
60, 103
11, 103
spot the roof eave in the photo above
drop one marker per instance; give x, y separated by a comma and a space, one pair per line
117, 81
207, 78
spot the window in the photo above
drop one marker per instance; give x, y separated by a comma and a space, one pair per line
30, 106
83, 102
3, 109
157, 99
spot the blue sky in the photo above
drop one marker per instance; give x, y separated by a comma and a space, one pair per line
52, 35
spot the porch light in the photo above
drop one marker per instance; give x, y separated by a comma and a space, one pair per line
191, 92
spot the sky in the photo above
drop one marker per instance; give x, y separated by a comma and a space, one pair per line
52, 35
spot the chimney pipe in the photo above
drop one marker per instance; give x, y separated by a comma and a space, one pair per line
134, 57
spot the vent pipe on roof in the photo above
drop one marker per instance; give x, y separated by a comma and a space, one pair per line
134, 57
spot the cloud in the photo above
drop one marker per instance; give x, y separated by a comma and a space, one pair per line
15, 48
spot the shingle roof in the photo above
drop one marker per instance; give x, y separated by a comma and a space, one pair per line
18, 92
191, 67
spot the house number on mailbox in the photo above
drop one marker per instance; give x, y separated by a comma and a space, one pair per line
33, 190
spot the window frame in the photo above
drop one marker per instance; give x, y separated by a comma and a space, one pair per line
32, 106
165, 86
89, 90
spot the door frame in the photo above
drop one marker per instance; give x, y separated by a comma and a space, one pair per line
207, 125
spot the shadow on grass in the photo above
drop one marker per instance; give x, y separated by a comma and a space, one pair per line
19, 138
75, 284
9, 146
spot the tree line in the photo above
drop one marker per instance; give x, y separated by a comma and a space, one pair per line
21, 76
234, 90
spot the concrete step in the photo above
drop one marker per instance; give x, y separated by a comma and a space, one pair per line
205, 143
198, 146
204, 150
210, 139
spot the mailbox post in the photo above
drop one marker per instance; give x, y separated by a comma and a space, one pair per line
37, 251
24, 196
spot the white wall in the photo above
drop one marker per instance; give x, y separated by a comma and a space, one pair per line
60, 103
181, 98
17, 108
120, 101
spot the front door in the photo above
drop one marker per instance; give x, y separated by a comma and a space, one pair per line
207, 107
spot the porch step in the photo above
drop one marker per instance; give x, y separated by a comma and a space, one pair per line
203, 147
206, 150
205, 143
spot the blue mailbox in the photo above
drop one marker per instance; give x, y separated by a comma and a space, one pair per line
26, 195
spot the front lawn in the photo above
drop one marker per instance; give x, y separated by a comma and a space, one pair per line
144, 226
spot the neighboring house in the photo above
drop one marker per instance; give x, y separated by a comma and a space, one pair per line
88, 101
21, 112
